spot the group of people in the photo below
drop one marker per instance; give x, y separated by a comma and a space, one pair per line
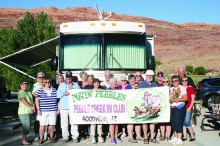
50, 105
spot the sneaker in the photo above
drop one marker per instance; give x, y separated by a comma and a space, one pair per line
100, 139
173, 140
123, 135
118, 140
178, 142
65, 141
75, 140
93, 140
36, 137
45, 136
113, 142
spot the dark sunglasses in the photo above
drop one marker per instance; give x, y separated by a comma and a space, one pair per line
174, 80
184, 80
138, 75
47, 82
40, 77
165, 81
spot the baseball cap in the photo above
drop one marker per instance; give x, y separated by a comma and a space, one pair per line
149, 72
68, 74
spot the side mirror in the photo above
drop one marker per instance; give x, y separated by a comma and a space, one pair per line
54, 63
151, 62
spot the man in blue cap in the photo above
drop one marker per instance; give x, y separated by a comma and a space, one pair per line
63, 93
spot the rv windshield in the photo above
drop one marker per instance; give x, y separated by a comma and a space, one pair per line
103, 51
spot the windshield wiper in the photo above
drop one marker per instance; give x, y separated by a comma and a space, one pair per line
117, 62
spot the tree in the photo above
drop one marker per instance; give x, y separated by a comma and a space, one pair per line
30, 31
189, 69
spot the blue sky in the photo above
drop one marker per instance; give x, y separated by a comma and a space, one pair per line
176, 11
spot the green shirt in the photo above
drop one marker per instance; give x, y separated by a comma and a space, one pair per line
23, 109
35, 87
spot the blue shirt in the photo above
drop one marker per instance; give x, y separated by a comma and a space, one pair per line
63, 87
128, 86
144, 84
47, 99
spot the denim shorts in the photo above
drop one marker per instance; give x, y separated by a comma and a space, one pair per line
187, 122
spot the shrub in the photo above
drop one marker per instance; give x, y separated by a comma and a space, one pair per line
157, 62
200, 70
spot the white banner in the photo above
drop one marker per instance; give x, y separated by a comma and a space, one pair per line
148, 105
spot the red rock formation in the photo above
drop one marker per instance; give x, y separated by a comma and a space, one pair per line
176, 45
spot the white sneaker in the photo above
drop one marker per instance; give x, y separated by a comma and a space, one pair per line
178, 142
100, 139
123, 135
45, 136
93, 140
36, 137
173, 140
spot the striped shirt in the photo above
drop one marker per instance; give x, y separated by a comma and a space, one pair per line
47, 99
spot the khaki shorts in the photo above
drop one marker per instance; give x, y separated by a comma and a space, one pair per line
48, 118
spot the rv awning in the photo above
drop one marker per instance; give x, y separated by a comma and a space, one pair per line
33, 55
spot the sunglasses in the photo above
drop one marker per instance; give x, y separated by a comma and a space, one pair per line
47, 82
138, 75
174, 80
165, 81
123, 80
40, 77
23, 83
184, 80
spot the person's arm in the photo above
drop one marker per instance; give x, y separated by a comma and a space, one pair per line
37, 102
192, 102
183, 98
60, 91
25, 102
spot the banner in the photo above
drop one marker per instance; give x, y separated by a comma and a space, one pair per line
147, 105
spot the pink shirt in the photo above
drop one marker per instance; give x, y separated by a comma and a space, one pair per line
182, 91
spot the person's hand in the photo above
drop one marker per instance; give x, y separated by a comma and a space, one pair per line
58, 111
70, 87
66, 93
33, 109
39, 112
188, 110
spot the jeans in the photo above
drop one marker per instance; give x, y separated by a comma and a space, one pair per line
187, 122
64, 125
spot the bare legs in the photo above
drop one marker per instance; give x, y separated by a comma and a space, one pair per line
191, 132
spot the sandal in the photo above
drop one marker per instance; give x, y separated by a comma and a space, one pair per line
168, 138
162, 138
146, 141
139, 138
154, 141
133, 141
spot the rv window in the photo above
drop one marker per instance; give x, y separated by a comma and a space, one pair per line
81, 51
125, 50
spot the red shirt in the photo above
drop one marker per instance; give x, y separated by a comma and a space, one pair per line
189, 91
